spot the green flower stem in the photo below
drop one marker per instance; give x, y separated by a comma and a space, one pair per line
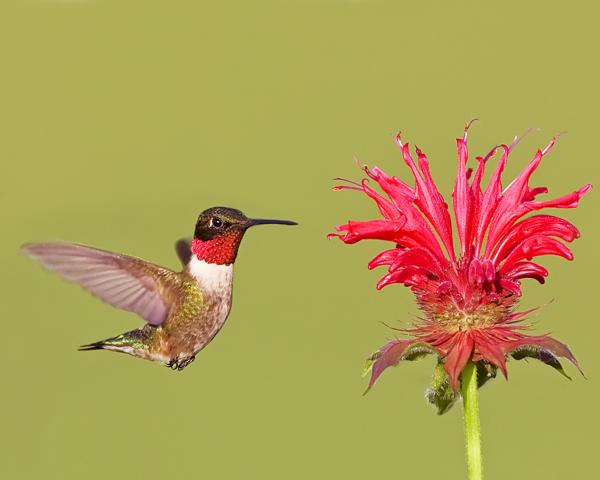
468, 391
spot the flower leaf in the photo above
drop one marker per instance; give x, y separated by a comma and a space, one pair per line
537, 352
485, 372
543, 348
393, 353
439, 393
417, 351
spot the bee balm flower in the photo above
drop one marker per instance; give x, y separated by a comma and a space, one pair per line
467, 294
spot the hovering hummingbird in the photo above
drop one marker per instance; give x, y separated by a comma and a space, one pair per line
183, 310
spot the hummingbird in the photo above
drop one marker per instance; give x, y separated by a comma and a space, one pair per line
183, 310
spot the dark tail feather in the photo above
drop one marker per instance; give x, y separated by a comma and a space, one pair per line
92, 346
135, 339
107, 342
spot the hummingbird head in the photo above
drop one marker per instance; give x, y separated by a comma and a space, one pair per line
219, 232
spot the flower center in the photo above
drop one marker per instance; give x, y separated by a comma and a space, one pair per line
483, 316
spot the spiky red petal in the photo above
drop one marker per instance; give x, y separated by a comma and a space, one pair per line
468, 300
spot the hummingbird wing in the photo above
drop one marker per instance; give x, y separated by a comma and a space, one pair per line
183, 247
122, 281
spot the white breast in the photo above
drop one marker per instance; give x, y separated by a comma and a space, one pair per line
215, 283
211, 278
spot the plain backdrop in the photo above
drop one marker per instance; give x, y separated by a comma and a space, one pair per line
121, 120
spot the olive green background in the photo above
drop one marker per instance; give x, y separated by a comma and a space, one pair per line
121, 120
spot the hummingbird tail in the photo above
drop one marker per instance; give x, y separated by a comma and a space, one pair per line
92, 346
128, 342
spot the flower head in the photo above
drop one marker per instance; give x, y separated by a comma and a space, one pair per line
468, 292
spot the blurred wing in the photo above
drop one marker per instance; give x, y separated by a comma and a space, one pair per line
183, 248
125, 282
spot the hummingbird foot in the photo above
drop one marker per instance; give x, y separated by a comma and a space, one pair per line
180, 363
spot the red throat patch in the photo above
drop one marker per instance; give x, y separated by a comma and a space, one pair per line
220, 250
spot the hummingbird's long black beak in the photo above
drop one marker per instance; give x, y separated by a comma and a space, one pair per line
263, 221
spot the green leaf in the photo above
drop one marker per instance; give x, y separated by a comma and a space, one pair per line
485, 372
411, 353
439, 394
417, 351
538, 353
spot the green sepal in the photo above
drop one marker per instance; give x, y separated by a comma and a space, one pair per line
541, 354
439, 393
485, 372
417, 351
414, 352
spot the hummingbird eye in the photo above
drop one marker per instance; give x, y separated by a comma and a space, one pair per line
216, 222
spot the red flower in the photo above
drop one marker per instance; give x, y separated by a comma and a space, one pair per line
468, 295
